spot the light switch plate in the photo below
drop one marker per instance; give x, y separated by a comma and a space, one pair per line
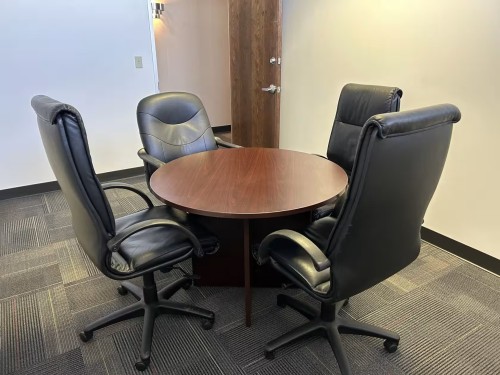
138, 62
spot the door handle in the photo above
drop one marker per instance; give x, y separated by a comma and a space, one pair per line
272, 89
273, 60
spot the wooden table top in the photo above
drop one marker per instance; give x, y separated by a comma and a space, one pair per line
248, 182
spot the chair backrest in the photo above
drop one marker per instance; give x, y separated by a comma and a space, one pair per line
65, 142
173, 124
398, 165
357, 103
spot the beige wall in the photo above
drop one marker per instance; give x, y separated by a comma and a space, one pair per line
436, 51
192, 46
82, 53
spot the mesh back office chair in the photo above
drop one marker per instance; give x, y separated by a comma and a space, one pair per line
396, 171
155, 238
357, 103
171, 125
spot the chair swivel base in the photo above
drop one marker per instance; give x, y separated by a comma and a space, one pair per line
150, 304
328, 323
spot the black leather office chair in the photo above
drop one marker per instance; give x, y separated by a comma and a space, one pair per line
397, 168
357, 103
171, 125
155, 238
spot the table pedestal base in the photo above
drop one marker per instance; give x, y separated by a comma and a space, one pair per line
234, 264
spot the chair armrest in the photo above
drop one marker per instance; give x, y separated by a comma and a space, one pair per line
320, 261
222, 143
114, 243
322, 211
121, 185
149, 159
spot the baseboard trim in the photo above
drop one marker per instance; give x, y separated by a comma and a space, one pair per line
123, 173
53, 185
221, 129
468, 253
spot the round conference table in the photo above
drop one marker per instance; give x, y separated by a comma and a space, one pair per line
247, 186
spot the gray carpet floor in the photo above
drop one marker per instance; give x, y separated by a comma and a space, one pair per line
445, 309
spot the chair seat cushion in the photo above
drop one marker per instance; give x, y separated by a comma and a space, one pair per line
159, 245
294, 262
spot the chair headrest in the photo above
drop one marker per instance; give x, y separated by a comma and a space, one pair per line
394, 123
358, 102
48, 108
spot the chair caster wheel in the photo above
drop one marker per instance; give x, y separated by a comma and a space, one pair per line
346, 302
269, 355
122, 291
142, 365
391, 345
280, 300
86, 336
207, 324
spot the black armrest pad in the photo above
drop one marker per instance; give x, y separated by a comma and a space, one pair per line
322, 211
149, 159
121, 185
222, 143
320, 261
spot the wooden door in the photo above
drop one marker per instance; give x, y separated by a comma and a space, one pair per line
255, 38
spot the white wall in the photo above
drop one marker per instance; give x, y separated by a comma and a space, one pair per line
436, 51
80, 52
192, 44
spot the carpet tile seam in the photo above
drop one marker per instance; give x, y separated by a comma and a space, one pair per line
203, 343
31, 291
444, 349
462, 259
482, 283
54, 263
319, 360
